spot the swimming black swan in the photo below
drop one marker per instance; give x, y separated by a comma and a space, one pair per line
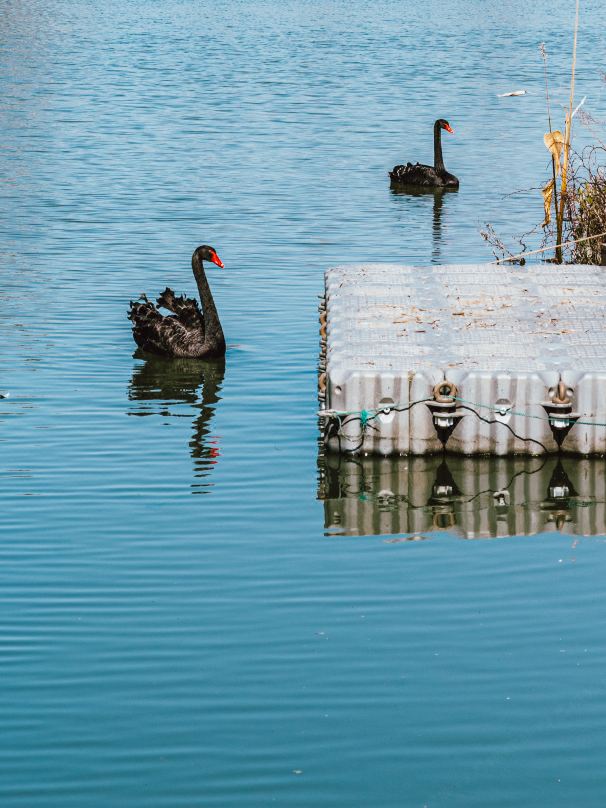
436, 175
188, 331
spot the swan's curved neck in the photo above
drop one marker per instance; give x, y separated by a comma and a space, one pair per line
438, 162
213, 333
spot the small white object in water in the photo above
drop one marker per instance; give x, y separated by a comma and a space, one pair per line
579, 106
4, 395
515, 92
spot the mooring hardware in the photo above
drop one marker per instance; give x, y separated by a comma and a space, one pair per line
560, 414
443, 409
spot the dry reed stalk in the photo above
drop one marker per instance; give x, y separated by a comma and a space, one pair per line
560, 212
553, 169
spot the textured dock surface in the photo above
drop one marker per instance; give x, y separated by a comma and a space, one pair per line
506, 336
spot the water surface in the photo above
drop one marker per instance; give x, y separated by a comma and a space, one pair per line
181, 624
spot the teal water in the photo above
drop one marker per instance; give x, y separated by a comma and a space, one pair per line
183, 619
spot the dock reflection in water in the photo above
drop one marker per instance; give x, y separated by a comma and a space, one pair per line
161, 384
475, 498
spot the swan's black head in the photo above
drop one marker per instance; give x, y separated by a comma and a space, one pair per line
206, 253
444, 125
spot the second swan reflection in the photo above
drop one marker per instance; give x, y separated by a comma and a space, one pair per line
161, 384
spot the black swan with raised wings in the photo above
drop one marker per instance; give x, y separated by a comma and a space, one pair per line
188, 331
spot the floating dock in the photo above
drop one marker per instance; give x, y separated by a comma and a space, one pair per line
477, 359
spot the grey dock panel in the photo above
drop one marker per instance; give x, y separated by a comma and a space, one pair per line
505, 336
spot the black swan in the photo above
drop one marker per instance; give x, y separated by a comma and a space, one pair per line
435, 175
188, 332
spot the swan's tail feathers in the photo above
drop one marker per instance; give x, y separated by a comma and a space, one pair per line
396, 173
186, 309
147, 326
142, 309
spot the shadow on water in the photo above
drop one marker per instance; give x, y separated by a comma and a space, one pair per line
160, 383
439, 195
476, 498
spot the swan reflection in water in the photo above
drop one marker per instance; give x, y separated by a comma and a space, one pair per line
474, 498
160, 383
437, 196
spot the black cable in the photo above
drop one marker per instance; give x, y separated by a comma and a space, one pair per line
363, 435
530, 472
331, 430
495, 421
387, 410
363, 425
383, 411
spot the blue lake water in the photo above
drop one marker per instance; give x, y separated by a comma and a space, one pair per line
192, 612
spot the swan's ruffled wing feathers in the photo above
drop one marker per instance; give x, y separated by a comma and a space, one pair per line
185, 308
420, 174
163, 335
410, 173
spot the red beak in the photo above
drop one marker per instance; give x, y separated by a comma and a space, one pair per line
216, 260
449, 128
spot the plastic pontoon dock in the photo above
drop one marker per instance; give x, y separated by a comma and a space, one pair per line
480, 359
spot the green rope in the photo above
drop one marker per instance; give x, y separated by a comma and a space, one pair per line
522, 414
500, 410
372, 412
